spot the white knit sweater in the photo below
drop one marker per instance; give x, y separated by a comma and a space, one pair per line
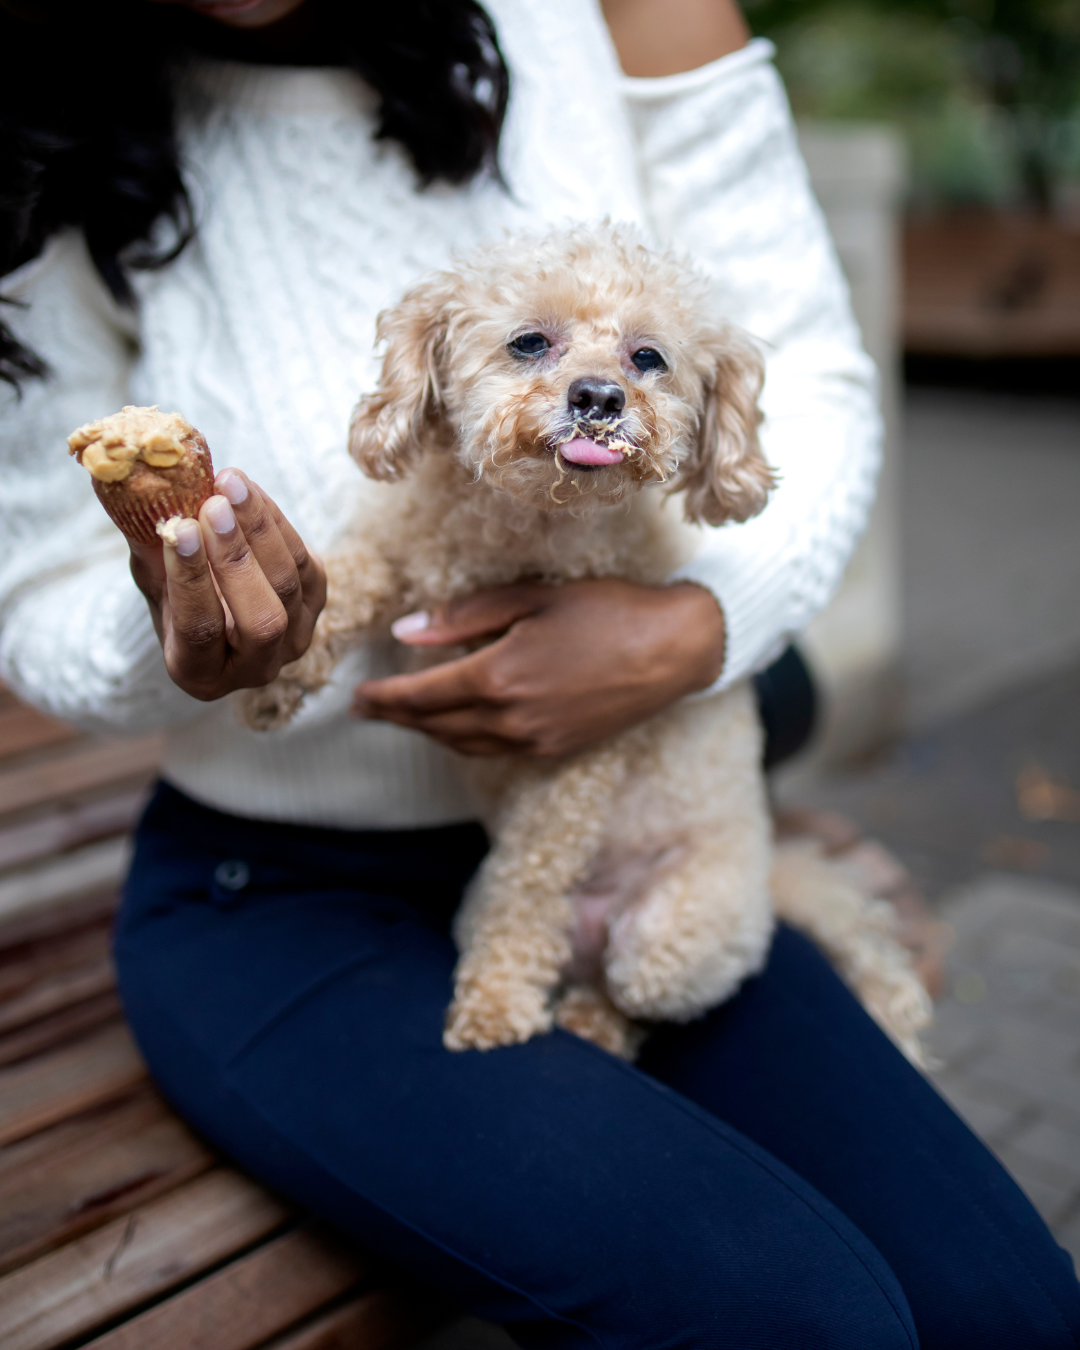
261, 335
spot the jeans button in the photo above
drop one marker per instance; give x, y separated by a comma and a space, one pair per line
232, 875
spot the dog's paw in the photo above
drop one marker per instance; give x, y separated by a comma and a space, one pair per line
273, 706
593, 1017
482, 1017
666, 984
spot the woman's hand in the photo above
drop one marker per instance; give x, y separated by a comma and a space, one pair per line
570, 665
237, 597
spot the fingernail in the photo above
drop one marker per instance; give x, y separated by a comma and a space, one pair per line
231, 485
219, 514
181, 534
187, 538
410, 624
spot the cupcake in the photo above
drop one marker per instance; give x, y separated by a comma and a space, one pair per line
147, 466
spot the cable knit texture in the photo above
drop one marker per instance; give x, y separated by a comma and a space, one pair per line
261, 335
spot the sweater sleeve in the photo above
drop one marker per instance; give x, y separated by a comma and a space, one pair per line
76, 637
724, 182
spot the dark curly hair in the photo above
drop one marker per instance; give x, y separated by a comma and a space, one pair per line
102, 154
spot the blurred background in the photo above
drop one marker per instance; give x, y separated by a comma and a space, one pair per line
943, 139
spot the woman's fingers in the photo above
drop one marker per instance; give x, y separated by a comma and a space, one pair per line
193, 627
479, 615
309, 569
473, 730
260, 529
261, 620
470, 731
409, 698
465, 704
295, 575
234, 594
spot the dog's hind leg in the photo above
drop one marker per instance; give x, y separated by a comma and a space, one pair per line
701, 927
590, 1014
513, 929
700, 917
856, 933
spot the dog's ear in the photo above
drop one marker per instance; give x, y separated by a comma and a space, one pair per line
726, 476
392, 427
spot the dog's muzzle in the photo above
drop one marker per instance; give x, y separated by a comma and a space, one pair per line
595, 405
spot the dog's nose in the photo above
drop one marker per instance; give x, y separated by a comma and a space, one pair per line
592, 397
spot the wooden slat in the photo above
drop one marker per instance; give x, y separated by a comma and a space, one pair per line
240, 1306
37, 979
23, 729
72, 912
80, 771
112, 1161
53, 993
70, 1132
22, 967
389, 1319
69, 826
93, 868
99, 1277
47, 1032
56, 887
92, 1070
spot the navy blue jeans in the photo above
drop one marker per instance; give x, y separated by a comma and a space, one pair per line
774, 1175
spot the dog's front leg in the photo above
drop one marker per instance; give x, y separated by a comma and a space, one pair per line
360, 586
513, 929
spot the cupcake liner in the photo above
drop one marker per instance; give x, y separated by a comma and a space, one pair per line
137, 517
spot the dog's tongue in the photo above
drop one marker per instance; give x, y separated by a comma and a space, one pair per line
581, 450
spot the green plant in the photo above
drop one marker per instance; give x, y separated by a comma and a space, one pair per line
987, 90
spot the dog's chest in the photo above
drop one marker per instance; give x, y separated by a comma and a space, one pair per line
447, 542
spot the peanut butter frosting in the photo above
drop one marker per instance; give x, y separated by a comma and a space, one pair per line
167, 529
111, 446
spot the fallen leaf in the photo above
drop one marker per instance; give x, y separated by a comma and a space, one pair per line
1040, 796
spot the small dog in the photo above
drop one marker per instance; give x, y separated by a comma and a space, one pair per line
546, 404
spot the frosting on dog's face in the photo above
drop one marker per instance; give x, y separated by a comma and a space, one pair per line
569, 371
574, 386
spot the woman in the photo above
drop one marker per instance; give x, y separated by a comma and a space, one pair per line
772, 1175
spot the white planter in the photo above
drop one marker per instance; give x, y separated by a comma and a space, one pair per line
859, 173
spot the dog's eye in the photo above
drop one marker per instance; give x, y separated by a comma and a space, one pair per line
529, 344
648, 358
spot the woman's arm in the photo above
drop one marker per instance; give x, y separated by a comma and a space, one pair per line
664, 37
725, 183
76, 636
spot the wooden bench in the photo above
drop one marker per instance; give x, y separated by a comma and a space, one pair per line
120, 1229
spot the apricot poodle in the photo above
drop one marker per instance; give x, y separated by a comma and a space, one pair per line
554, 408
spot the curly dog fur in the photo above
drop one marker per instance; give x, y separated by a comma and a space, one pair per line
543, 409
